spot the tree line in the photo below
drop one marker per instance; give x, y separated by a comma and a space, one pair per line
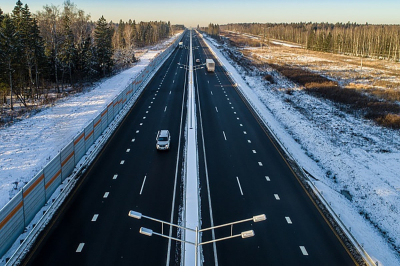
59, 48
212, 29
375, 41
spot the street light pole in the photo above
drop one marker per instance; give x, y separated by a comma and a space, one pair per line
149, 232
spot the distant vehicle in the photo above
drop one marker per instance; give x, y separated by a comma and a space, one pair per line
163, 140
197, 60
180, 44
210, 65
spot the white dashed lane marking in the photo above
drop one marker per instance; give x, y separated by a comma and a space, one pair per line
224, 135
80, 247
122, 162
288, 220
144, 180
137, 131
106, 195
216, 109
267, 178
94, 219
249, 141
303, 250
128, 150
240, 187
276, 196
260, 164
254, 151
115, 176
133, 140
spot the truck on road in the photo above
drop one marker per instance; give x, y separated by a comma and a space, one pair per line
180, 44
210, 65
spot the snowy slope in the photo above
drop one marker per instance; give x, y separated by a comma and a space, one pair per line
343, 152
28, 145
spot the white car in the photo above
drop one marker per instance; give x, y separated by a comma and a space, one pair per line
163, 140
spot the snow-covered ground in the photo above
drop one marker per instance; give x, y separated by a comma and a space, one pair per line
343, 152
28, 145
346, 154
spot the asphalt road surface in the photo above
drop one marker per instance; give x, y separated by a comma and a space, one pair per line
93, 227
241, 174
247, 176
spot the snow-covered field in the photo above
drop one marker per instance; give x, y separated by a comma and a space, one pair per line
355, 162
348, 155
28, 145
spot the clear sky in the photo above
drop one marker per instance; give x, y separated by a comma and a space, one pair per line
202, 12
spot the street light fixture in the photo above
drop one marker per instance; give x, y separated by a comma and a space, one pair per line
149, 232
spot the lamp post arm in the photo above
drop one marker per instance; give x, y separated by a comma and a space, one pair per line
173, 238
222, 225
164, 222
219, 239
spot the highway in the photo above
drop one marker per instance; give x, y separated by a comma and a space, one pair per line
247, 176
93, 226
241, 174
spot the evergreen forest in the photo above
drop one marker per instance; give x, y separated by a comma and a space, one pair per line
61, 49
364, 40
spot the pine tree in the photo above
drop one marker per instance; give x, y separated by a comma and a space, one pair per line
9, 51
103, 44
67, 49
40, 59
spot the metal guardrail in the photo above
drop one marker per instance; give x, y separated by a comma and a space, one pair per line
349, 235
71, 162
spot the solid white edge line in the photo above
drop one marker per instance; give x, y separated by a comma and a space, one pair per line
176, 175
240, 187
144, 180
207, 179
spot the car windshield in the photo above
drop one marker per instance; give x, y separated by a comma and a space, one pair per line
162, 138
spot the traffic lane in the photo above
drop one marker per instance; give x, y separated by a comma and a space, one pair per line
275, 194
314, 231
90, 205
222, 174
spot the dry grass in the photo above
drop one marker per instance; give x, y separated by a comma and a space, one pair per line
368, 85
390, 120
384, 113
